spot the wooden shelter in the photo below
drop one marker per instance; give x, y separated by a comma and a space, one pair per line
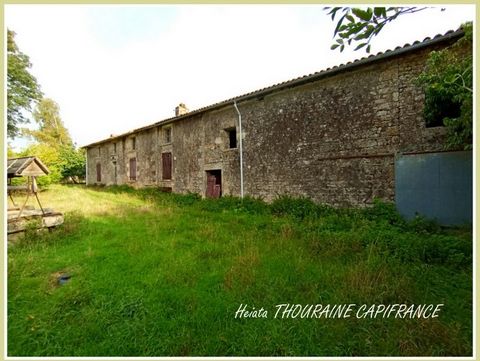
26, 166
19, 217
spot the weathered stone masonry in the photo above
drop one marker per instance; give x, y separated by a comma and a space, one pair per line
332, 136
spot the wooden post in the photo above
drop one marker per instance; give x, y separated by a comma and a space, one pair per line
26, 200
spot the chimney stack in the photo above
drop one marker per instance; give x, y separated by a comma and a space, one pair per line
181, 109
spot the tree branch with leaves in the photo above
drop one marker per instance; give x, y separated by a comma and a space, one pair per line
355, 25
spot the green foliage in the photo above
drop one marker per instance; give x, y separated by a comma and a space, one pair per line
22, 87
448, 84
361, 25
247, 205
383, 212
423, 225
72, 162
64, 163
54, 146
10, 152
166, 278
50, 157
186, 199
51, 130
447, 79
300, 208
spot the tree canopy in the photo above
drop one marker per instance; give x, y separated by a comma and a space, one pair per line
51, 130
54, 146
22, 87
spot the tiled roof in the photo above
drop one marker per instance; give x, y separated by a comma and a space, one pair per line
449, 36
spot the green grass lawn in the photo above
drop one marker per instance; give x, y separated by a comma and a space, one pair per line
163, 275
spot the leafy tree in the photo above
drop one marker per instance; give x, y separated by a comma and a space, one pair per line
64, 163
361, 25
72, 163
10, 152
448, 84
22, 87
51, 130
50, 157
54, 145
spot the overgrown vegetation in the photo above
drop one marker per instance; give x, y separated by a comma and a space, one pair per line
156, 274
448, 85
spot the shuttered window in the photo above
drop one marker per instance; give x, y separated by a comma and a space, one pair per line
166, 165
99, 172
133, 169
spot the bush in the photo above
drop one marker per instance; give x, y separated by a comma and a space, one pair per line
229, 203
186, 199
384, 212
421, 224
300, 208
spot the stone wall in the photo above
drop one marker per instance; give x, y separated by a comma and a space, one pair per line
333, 139
198, 144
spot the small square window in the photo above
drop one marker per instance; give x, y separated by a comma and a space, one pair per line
232, 138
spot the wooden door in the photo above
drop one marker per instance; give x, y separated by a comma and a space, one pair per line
214, 184
99, 172
210, 186
166, 165
133, 169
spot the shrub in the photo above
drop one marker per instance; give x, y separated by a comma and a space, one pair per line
384, 212
185, 199
300, 208
422, 224
229, 203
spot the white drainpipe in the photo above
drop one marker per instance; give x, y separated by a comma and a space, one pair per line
86, 167
241, 146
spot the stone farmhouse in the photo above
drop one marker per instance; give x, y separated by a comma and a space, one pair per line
332, 136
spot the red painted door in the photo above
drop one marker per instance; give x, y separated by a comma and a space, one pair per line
210, 186
214, 184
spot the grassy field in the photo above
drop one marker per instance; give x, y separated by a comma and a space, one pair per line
163, 275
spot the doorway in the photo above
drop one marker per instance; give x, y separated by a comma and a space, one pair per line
214, 183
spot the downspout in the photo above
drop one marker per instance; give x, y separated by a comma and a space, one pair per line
241, 146
86, 167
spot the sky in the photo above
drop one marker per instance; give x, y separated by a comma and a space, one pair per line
114, 68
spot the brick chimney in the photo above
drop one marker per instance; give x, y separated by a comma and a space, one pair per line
181, 109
